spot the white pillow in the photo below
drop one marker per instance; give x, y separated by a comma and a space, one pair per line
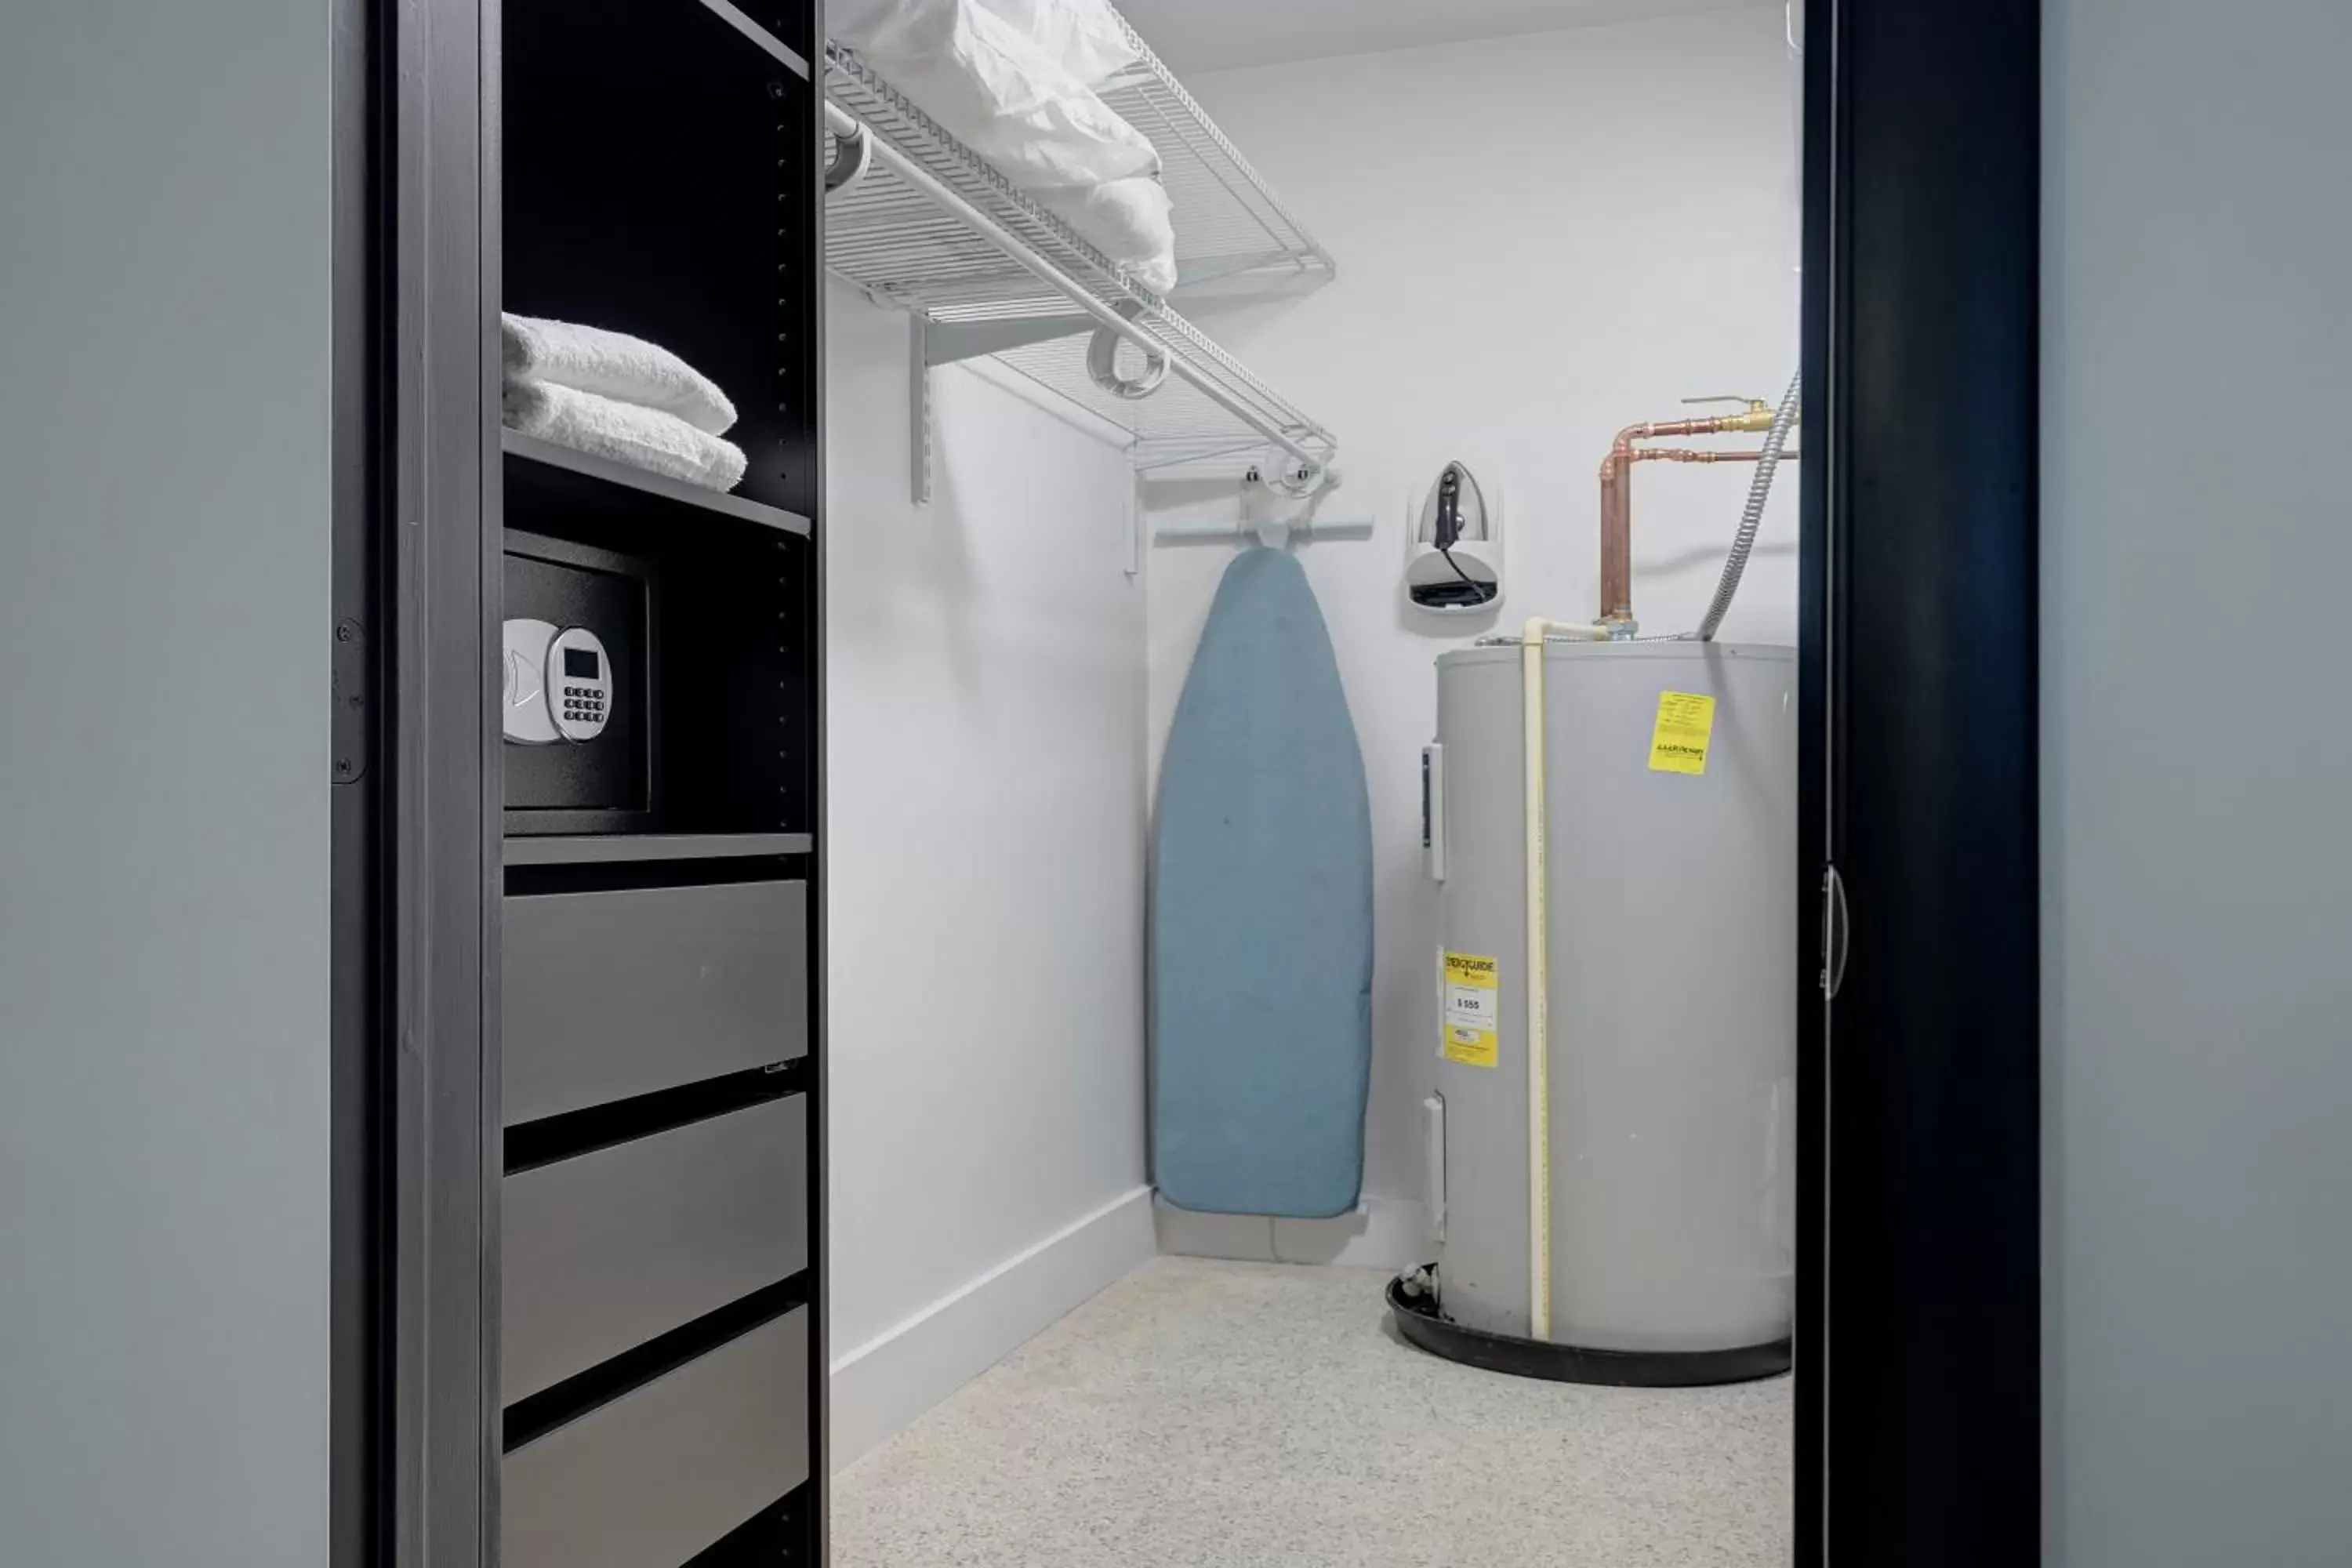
1128, 220
1084, 37
999, 94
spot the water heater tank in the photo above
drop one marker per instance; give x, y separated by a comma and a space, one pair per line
1670, 785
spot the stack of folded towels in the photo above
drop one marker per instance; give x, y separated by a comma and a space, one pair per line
613, 395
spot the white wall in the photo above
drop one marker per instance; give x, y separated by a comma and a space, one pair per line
985, 899
164, 754
2195, 550
1540, 240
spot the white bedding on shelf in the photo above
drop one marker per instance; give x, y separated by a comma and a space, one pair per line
1086, 37
1132, 221
1013, 79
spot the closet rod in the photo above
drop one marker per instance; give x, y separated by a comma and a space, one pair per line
845, 126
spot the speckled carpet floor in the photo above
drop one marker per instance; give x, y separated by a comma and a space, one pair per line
1202, 1414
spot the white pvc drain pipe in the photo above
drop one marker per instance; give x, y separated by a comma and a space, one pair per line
1539, 961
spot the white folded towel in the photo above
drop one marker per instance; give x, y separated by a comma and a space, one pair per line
642, 437
614, 365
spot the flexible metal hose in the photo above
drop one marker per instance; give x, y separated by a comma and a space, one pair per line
1753, 518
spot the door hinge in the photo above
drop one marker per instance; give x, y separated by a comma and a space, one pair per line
351, 725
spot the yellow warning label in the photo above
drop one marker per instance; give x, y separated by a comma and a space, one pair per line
1685, 724
1473, 987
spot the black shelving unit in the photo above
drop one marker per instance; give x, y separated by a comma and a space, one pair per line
662, 1080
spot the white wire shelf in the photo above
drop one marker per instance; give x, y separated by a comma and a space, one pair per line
1232, 231
931, 228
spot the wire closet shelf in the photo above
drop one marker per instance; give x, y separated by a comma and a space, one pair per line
931, 228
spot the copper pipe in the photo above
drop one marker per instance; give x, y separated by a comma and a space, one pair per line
1616, 500
1691, 454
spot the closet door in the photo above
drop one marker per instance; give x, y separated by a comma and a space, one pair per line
1918, 1343
432, 1469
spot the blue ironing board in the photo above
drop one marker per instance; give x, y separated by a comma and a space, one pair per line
1261, 915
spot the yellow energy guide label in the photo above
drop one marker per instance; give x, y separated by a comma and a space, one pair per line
1473, 986
1685, 726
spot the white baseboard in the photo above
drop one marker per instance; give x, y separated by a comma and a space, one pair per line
1383, 1233
879, 1388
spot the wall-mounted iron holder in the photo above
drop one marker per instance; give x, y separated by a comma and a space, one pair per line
1453, 555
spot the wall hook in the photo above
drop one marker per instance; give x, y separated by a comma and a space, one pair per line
1102, 365
853, 154
1255, 523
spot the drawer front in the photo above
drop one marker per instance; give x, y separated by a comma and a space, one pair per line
609, 1249
610, 994
657, 1475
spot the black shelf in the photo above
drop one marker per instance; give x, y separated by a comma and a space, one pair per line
689, 220
611, 849
693, 220
729, 679
516, 445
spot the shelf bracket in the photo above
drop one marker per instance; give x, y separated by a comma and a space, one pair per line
920, 328
932, 227
930, 344
953, 342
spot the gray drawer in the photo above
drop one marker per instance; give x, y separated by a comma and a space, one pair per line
618, 994
657, 1475
607, 1250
